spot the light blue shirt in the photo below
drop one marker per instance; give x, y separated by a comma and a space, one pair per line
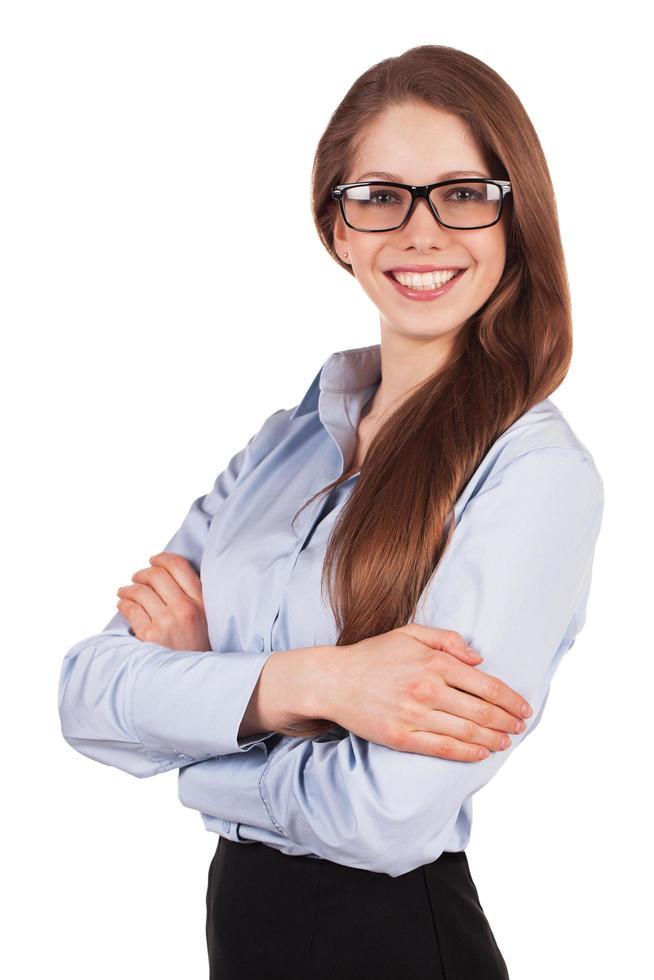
514, 582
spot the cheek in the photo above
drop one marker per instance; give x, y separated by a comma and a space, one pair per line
365, 256
491, 257
366, 266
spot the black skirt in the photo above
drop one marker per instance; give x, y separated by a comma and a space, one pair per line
273, 916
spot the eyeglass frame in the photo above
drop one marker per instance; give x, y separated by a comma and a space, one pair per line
421, 190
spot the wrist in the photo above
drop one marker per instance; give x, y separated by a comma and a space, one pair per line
295, 686
316, 681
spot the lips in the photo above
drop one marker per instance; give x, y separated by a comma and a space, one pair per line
391, 272
425, 268
390, 275
424, 294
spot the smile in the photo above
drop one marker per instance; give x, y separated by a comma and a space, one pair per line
425, 286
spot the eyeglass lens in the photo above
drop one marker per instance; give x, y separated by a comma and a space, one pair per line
378, 207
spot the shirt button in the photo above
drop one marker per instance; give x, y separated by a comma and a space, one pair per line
260, 643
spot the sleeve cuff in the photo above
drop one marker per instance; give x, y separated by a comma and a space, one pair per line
229, 789
192, 704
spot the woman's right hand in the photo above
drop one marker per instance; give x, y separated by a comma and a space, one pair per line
405, 690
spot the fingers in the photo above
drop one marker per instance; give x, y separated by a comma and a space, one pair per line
156, 590
465, 732
181, 571
135, 615
165, 583
485, 686
448, 640
461, 734
473, 719
444, 747
144, 595
494, 704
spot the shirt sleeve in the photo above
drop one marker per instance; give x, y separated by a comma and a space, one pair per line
514, 582
145, 708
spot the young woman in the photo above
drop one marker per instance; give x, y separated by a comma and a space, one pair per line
299, 649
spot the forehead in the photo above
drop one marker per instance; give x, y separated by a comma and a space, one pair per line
416, 143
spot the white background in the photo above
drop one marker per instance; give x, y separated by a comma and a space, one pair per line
153, 318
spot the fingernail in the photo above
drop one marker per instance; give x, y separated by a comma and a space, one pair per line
527, 711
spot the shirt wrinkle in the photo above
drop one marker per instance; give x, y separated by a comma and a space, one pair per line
514, 581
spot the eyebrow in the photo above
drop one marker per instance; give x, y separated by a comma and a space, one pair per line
445, 176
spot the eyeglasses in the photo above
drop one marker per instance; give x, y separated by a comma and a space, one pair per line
375, 205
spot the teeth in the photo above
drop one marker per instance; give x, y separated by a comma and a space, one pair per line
424, 280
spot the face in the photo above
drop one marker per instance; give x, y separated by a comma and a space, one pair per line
417, 144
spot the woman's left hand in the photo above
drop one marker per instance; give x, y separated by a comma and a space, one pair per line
165, 604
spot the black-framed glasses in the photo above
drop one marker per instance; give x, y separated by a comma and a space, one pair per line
378, 205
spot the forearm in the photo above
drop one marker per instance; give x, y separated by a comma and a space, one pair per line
293, 687
146, 708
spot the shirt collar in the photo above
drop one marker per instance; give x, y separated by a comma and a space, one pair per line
343, 371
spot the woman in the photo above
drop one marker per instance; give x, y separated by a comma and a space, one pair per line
431, 485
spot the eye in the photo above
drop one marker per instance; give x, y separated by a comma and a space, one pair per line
383, 197
472, 195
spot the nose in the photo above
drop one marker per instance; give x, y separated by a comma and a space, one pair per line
422, 227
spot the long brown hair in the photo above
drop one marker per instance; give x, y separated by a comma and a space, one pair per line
513, 352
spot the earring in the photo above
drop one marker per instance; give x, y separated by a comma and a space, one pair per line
345, 254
